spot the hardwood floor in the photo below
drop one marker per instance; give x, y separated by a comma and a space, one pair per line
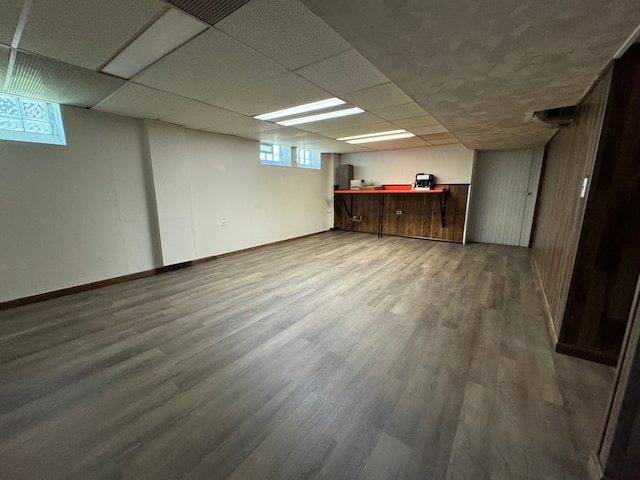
340, 355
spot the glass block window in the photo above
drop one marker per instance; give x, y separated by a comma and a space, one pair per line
309, 159
275, 155
28, 120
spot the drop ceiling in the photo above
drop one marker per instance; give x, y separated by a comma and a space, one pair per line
448, 72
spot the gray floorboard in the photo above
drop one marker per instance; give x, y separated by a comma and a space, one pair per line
338, 355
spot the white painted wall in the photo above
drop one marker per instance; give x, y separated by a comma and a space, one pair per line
260, 203
214, 196
449, 163
75, 214
125, 196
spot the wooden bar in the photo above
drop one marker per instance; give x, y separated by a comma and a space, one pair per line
420, 212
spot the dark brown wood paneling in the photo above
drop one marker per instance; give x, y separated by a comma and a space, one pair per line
619, 452
571, 157
420, 215
608, 258
364, 207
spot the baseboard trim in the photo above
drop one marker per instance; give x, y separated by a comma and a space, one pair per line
41, 297
580, 352
594, 468
551, 326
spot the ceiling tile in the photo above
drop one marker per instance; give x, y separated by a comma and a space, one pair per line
328, 146
242, 126
284, 30
9, 20
437, 136
4, 63
428, 130
377, 97
212, 64
395, 112
284, 135
85, 33
348, 148
58, 81
200, 116
412, 142
416, 122
277, 93
341, 122
142, 102
306, 139
360, 130
344, 73
448, 141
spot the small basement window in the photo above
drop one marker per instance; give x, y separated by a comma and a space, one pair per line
27, 120
275, 155
309, 159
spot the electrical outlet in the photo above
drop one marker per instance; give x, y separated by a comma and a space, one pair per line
398, 212
224, 223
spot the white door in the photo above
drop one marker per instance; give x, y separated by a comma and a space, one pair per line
503, 195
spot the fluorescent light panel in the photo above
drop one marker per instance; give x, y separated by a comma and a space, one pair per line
169, 32
321, 116
381, 138
307, 107
366, 135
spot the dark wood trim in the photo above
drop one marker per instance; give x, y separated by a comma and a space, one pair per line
536, 208
551, 328
204, 259
592, 355
595, 468
258, 247
41, 297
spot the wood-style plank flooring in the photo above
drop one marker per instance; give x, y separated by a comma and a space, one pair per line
336, 356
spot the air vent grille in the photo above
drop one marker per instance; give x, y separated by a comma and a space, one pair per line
208, 11
47, 79
556, 117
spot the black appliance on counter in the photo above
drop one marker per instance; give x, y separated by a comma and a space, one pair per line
424, 181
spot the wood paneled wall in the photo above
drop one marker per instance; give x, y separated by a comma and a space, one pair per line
420, 215
608, 258
587, 249
571, 157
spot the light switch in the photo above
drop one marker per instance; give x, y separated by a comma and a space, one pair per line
584, 187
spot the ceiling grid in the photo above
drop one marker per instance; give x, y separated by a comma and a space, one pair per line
409, 66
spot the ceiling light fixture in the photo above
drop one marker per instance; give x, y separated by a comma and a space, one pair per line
307, 107
321, 116
367, 135
170, 31
381, 138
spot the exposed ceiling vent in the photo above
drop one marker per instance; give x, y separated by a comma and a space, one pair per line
209, 11
556, 117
